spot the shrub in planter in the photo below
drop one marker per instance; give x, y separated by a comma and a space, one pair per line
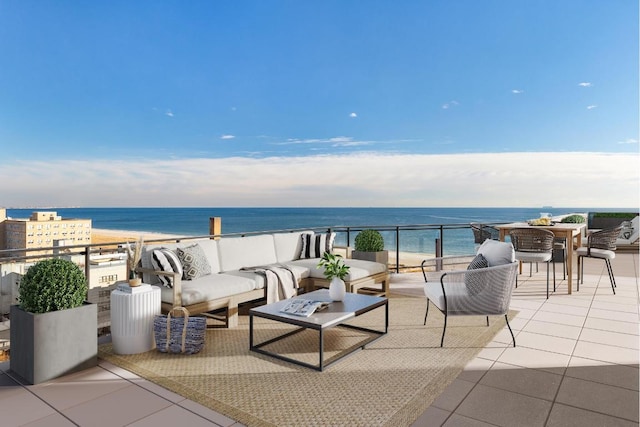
573, 219
369, 241
53, 331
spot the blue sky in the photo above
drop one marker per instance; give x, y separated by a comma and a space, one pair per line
332, 103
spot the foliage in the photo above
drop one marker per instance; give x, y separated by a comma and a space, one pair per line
574, 219
624, 215
334, 266
369, 241
52, 284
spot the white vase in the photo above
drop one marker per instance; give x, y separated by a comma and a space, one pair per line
337, 289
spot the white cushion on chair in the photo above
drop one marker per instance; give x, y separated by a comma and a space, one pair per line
497, 253
533, 256
596, 253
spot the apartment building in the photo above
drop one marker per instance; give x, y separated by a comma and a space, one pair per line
44, 229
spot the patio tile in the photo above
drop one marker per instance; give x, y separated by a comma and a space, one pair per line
562, 319
567, 416
79, 387
622, 356
457, 420
21, 407
475, 369
530, 382
605, 399
53, 420
209, 414
172, 416
612, 325
546, 342
455, 393
133, 403
615, 306
613, 315
535, 359
553, 329
625, 376
159, 390
504, 408
565, 309
610, 338
432, 417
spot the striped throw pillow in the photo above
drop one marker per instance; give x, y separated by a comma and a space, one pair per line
164, 259
315, 245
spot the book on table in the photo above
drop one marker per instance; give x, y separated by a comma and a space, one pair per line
304, 307
124, 287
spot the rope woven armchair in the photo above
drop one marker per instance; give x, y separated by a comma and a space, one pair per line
600, 244
476, 291
483, 232
534, 245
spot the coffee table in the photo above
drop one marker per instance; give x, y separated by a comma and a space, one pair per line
335, 315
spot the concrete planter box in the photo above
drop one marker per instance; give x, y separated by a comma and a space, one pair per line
48, 345
381, 256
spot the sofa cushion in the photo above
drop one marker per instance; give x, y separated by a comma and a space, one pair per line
164, 259
359, 269
288, 246
209, 247
194, 262
315, 245
252, 251
497, 253
209, 287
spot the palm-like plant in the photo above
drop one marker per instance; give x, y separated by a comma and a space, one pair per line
334, 266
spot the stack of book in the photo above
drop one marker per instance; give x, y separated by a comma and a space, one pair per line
124, 287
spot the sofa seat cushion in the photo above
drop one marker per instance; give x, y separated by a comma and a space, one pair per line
238, 252
210, 287
359, 269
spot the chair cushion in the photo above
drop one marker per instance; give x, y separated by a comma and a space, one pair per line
315, 245
472, 281
596, 253
166, 260
497, 253
194, 262
533, 256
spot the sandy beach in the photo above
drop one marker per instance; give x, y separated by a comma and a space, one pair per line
101, 236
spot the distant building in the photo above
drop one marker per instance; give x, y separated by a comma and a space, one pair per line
45, 229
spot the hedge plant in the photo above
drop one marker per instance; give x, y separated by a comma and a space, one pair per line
52, 284
574, 219
369, 241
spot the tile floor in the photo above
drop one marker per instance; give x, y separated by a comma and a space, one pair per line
575, 364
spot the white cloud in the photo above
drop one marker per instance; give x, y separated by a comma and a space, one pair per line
585, 84
450, 104
629, 141
169, 113
468, 180
353, 115
517, 91
591, 107
227, 137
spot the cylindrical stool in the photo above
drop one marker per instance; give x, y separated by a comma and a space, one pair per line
132, 320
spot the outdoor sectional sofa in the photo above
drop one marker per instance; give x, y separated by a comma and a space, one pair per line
232, 281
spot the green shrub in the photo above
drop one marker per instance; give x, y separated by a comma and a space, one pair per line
574, 219
369, 241
51, 285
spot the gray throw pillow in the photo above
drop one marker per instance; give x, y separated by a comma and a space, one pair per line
475, 282
194, 262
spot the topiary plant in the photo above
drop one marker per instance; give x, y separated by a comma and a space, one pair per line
50, 285
369, 241
574, 219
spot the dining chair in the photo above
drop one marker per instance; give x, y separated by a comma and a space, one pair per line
600, 244
483, 232
534, 245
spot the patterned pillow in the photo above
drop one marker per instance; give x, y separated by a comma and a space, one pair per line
315, 245
474, 282
164, 259
194, 262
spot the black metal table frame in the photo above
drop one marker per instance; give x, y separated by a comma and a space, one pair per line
321, 363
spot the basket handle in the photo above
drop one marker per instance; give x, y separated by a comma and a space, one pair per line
185, 313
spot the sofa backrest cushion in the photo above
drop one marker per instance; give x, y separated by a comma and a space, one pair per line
288, 245
315, 245
497, 253
252, 251
209, 247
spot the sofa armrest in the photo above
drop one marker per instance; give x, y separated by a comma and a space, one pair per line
177, 282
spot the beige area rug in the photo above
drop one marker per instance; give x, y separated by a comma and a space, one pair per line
388, 383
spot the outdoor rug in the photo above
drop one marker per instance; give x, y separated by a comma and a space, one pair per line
390, 382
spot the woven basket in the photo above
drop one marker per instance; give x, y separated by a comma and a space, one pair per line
179, 334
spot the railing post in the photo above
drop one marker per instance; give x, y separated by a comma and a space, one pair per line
215, 226
397, 249
87, 265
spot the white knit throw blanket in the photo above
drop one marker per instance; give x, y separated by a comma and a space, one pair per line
281, 281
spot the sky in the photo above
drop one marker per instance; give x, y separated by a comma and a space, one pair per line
431, 103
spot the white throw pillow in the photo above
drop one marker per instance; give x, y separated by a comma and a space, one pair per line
315, 245
164, 259
497, 253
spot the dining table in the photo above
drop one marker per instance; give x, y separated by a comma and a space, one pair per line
568, 231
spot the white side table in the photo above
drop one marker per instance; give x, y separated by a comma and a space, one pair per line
132, 320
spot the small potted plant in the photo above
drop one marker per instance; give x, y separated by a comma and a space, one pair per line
54, 331
369, 246
133, 259
335, 270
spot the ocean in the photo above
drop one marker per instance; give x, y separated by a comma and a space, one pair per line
195, 221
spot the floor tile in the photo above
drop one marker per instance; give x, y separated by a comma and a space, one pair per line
53, 420
459, 421
535, 359
22, 407
529, 382
475, 369
554, 329
504, 408
546, 342
562, 319
622, 356
596, 397
613, 315
614, 339
432, 417
567, 416
565, 309
455, 393
172, 416
625, 376
612, 325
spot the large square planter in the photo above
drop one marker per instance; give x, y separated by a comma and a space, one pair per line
381, 256
48, 345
